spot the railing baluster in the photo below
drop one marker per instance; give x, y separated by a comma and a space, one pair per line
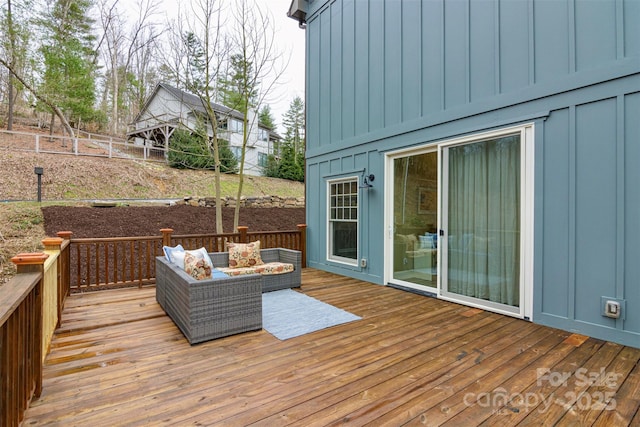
132, 276
141, 259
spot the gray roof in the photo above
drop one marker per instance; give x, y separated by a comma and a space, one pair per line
196, 104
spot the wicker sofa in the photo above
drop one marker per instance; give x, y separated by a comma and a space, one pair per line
271, 282
218, 307
207, 309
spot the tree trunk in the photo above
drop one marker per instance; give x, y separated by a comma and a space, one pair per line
11, 102
51, 125
115, 95
54, 108
12, 99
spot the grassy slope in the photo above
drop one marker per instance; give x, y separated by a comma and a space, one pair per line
69, 178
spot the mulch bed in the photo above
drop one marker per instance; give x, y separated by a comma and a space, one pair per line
148, 220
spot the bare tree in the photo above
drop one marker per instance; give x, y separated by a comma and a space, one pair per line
253, 37
200, 50
122, 48
15, 40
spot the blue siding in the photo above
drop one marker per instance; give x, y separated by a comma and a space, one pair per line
361, 74
313, 89
376, 66
336, 73
432, 47
595, 44
552, 49
595, 227
558, 205
631, 31
631, 229
515, 48
456, 40
411, 81
325, 111
389, 74
482, 50
349, 70
392, 49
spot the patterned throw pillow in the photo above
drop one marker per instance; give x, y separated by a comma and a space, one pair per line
197, 264
244, 254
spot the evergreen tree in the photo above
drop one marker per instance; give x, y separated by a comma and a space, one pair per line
69, 75
294, 125
291, 166
238, 86
194, 150
266, 117
288, 163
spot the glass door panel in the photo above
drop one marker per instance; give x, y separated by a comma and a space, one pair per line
482, 221
415, 219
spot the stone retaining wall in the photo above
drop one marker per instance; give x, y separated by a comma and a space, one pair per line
248, 202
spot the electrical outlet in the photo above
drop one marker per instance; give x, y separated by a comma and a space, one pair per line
363, 263
613, 308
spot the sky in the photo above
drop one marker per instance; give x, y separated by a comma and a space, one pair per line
290, 40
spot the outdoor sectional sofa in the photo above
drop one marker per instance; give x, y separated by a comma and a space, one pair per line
271, 282
214, 308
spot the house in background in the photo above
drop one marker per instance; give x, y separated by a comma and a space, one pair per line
169, 108
483, 152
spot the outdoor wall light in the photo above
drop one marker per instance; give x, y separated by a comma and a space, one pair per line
366, 183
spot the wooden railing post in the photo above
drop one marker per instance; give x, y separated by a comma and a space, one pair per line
64, 267
242, 229
65, 235
166, 236
30, 263
303, 243
54, 244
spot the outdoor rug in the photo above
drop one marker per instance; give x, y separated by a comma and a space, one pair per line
288, 314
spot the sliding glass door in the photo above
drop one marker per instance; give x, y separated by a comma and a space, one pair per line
482, 201
415, 220
460, 220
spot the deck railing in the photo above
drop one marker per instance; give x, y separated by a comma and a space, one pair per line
125, 261
30, 307
31, 303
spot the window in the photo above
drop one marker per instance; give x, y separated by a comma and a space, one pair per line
263, 134
237, 152
262, 159
235, 125
343, 220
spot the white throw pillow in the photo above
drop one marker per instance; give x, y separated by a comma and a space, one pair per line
170, 251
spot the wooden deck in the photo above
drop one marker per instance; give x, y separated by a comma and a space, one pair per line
118, 360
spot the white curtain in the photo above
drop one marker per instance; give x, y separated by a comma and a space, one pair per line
484, 220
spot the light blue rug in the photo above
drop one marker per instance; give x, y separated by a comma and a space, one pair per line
287, 314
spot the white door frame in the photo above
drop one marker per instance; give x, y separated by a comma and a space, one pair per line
525, 309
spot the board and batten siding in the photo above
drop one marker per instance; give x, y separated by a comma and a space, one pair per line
388, 74
381, 64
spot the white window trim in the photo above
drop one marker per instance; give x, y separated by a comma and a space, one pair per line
334, 258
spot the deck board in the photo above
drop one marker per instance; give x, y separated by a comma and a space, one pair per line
117, 359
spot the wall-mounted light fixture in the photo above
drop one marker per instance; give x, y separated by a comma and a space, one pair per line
298, 11
367, 180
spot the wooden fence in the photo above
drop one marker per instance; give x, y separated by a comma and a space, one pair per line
97, 147
30, 308
130, 261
